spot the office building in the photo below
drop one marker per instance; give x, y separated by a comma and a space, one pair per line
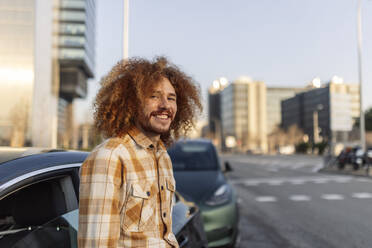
274, 96
214, 111
243, 114
46, 57
326, 113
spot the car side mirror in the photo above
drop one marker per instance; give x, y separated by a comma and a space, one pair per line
228, 167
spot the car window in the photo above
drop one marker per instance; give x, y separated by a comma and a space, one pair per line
60, 232
28, 214
191, 156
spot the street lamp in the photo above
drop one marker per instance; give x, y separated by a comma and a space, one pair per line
361, 122
125, 29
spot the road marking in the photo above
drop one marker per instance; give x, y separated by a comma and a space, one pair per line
253, 183
342, 180
275, 182
300, 198
320, 181
332, 197
363, 180
362, 195
266, 199
297, 182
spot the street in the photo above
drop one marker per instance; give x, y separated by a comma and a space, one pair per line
284, 202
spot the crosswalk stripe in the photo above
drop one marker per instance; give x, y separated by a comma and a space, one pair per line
332, 197
362, 195
266, 199
300, 198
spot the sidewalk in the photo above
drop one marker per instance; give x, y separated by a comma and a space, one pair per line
348, 170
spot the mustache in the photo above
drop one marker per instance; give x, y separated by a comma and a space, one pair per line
162, 112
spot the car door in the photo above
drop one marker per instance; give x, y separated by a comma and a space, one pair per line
34, 209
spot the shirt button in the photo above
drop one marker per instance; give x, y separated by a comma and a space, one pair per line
164, 214
162, 188
148, 193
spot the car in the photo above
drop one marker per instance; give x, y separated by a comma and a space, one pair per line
39, 194
200, 179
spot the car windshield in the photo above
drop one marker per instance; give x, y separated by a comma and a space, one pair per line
191, 156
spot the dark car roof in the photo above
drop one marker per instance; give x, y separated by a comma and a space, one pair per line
29, 163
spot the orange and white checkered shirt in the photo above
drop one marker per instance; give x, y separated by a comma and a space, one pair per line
126, 193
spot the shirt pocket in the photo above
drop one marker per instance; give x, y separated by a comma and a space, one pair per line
171, 187
140, 207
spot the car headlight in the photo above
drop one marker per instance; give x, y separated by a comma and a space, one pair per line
220, 196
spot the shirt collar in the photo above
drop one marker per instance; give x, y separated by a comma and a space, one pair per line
142, 140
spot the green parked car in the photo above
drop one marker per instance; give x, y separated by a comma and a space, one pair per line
199, 178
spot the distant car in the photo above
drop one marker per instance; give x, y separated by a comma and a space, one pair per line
199, 178
39, 202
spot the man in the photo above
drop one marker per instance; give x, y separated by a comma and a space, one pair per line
127, 183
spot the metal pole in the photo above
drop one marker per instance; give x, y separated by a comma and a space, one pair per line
361, 123
125, 29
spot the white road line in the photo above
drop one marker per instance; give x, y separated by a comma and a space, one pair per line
342, 180
320, 181
300, 198
364, 180
275, 183
251, 183
332, 197
292, 180
362, 195
297, 182
266, 199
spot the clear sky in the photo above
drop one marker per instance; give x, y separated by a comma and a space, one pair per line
281, 42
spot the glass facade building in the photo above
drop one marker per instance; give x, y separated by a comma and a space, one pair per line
331, 110
16, 70
46, 56
274, 97
244, 114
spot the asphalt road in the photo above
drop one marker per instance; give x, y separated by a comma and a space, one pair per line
285, 203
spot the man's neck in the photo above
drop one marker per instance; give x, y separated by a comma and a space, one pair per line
152, 136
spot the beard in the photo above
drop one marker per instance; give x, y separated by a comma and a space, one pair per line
151, 124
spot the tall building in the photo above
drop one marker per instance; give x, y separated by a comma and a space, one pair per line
76, 52
274, 96
46, 56
325, 113
214, 111
244, 116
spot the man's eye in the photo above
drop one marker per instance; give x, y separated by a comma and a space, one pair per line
154, 96
171, 99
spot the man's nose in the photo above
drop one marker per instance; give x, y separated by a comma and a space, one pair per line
164, 102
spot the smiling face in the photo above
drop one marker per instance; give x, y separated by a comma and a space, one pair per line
159, 109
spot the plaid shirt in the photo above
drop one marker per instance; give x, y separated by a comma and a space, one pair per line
126, 192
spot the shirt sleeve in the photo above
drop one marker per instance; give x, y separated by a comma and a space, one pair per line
99, 200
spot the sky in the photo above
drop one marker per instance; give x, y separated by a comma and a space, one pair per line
281, 42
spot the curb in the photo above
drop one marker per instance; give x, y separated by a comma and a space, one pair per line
347, 171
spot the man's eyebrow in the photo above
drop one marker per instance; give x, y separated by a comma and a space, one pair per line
159, 92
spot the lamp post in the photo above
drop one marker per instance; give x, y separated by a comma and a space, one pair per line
125, 29
361, 122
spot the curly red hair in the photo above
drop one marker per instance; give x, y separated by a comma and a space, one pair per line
118, 102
